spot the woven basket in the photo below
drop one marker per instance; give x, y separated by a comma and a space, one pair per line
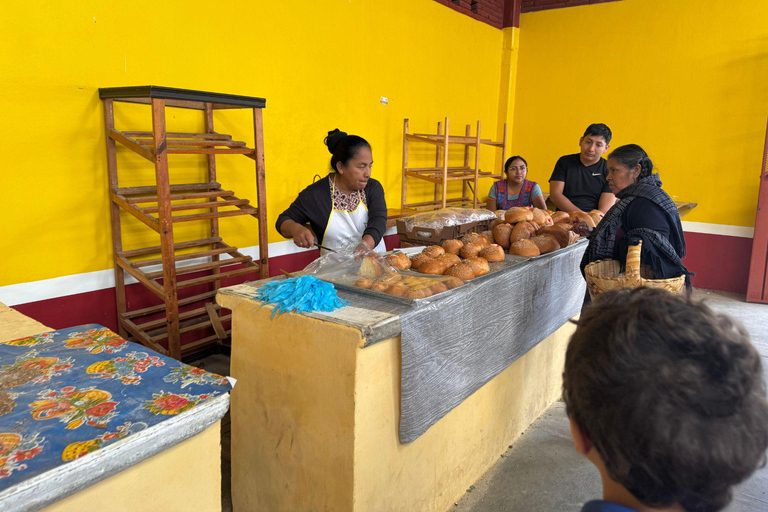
604, 275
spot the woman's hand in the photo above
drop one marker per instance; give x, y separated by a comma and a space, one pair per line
302, 237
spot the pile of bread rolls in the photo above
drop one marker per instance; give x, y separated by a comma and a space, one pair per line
465, 259
376, 277
532, 231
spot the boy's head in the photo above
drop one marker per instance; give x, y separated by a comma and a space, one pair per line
594, 143
669, 395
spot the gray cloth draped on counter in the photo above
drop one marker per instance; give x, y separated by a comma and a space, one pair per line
452, 347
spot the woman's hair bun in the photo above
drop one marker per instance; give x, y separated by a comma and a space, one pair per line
334, 137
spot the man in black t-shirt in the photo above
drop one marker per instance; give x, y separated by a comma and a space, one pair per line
578, 181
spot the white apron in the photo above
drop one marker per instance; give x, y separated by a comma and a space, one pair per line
344, 226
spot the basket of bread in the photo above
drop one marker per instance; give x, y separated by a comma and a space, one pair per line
605, 275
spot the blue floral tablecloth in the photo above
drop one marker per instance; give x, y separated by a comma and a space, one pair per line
67, 393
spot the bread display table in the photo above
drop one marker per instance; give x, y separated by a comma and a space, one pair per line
90, 421
318, 413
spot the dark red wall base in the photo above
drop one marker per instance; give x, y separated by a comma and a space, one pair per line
720, 263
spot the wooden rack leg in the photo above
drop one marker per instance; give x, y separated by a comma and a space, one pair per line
211, 179
166, 227
503, 152
261, 193
438, 160
114, 212
477, 165
445, 164
405, 166
464, 184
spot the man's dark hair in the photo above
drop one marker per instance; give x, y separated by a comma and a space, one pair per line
599, 130
671, 396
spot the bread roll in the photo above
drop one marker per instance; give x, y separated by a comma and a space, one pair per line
399, 260
418, 260
470, 249
520, 231
390, 278
438, 288
449, 259
421, 293
496, 222
561, 234
364, 282
539, 216
461, 270
501, 234
518, 214
576, 216
565, 225
572, 237
479, 265
500, 214
524, 248
370, 268
548, 220
433, 251
492, 253
453, 246
560, 217
398, 289
546, 243
380, 287
471, 238
597, 216
434, 266
453, 282
488, 235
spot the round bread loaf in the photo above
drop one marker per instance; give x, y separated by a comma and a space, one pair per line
471, 238
488, 235
500, 214
461, 270
452, 246
433, 251
496, 222
572, 237
546, 243
420, 293
399, 260
535, 224
479, 265
518, 214
452, 282
398, 289
438, 288
576, 216
559, 232
501, 234
564, 225
484, 241
548, 220
390, 278
434, 266
560, 217
418, 259
549, 212
524, 248
470, 249
449, 259
597, 216
539, 216
364, 282
520, 231
492, 253
380, 287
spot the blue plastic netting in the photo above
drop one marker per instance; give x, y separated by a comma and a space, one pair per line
301, 294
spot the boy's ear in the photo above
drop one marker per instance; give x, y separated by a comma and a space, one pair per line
581, 442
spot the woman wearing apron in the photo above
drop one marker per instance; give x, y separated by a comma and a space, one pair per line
347, 205
516, 190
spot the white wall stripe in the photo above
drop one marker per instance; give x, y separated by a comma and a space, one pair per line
718, 229
23, 293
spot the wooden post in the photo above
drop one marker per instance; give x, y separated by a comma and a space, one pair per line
212, 179
166, 227
445, 163
757, 284
464, 184
504, 151
477, 164
437, 160
114, 213
261, 193
405, 166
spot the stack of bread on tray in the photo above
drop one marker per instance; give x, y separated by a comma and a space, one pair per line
521, 231
376, 275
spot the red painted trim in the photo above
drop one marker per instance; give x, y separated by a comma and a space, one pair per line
543, 5
720, 262
512, 9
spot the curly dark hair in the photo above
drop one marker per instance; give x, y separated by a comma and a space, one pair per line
671, 396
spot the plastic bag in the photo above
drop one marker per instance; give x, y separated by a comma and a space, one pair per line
439, 219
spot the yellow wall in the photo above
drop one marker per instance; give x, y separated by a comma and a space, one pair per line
685, 79
321, 65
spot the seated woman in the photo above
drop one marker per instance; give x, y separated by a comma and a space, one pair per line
345, 205
515, 190
644, 212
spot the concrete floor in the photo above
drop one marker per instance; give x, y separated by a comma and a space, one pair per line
542, 472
